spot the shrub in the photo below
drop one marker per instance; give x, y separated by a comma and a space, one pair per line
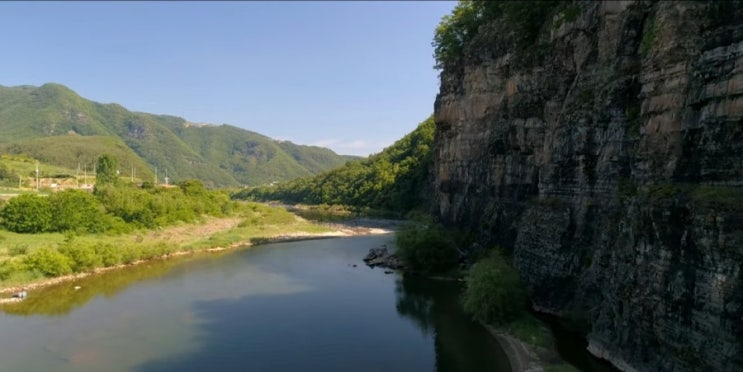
494, 292
27, 213
75, 210
82, 256
131, 253
108, 254
10, 267
427, 249
49, 262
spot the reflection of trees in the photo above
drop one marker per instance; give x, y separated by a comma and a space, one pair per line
460, 343
63, 298
414, 301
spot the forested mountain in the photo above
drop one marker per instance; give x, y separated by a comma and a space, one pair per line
396, 179
57, 126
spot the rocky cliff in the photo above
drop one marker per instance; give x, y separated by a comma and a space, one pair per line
607, 158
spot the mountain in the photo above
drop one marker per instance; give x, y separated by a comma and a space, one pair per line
600, 144
57, 126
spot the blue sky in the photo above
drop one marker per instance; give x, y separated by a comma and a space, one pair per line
351, 76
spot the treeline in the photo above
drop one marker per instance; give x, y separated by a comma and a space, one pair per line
393, 180
113, 207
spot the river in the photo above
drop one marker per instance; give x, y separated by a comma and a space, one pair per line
277, 307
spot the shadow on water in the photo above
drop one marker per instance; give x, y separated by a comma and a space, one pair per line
460, 343
330, 330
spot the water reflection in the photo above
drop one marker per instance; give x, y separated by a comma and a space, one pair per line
62, 298
280, 307
460, 344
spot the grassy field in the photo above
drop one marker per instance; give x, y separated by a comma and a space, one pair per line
33, 258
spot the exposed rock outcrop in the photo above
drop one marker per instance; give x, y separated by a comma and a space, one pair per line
609, 161
382, 257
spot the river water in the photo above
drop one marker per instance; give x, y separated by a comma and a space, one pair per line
278, 307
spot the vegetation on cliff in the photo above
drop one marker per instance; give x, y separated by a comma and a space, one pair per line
522, 19
395, 179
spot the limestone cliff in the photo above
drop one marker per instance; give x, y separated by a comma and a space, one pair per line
608, 160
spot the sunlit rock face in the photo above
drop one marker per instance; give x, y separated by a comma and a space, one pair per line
611, 167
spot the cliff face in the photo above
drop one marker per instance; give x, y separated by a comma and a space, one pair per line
608, 160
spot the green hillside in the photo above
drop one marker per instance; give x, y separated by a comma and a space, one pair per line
54, 124
393, 180
253, 158
74, 151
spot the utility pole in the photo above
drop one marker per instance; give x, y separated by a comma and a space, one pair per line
166, 176
156, 176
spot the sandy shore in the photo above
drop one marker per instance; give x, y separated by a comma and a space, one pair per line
340, 230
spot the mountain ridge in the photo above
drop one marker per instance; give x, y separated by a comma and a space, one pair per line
219, 155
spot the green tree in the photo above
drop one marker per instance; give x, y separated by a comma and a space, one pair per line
494, 292
75, 210
28, 213
428, 248
521, 20
107, 172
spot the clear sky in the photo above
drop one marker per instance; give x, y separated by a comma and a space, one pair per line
351, 76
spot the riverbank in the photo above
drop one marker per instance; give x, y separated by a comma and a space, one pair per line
521, 356
195, 238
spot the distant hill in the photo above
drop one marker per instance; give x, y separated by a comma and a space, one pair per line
55, 125
396, 179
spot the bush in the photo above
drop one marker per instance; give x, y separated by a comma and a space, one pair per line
131, 253
428, 249
10, 267
27, 213
494, 292
76, 210
108, 254
49, 262
82, 256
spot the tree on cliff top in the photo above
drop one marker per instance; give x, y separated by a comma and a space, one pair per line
455, 32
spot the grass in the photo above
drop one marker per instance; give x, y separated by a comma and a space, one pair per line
648, 36
718, 197
529, 330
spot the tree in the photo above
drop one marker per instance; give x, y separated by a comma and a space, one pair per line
107, 172
27, 213
75, 210
428, 249
494, 292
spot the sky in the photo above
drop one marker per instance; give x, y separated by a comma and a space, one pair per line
350, 76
